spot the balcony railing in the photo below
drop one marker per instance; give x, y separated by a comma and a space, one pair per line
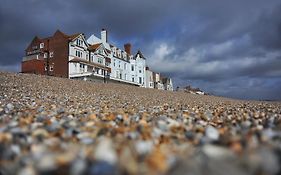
32, 57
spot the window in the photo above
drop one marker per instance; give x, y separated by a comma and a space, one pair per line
97, 70
125, 65
78, 53
133, 68
82, 67
140, 80
45, 55
139, 71
51, 68
41, 45
79, 42
100, 60
133, 79
51, 54
114, 62
119, 64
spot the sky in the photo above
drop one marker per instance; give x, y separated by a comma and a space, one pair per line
224, 47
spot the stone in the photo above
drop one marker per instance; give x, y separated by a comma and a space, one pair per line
10, 106
212, 133
105, 151
102, 168
27, 171
143, 147
78, 167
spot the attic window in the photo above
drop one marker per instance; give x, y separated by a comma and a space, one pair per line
79, 42
41, 45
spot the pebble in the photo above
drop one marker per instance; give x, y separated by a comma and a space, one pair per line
102, 168
105, 151
59, 126
144, 147
10, 106
212, 133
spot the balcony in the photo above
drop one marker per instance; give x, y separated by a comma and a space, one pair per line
32, 57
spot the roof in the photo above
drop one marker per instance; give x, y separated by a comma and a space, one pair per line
72, 37
89, 63
94, 47
141, 55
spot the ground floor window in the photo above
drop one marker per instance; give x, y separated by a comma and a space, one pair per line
140, 80
82, 67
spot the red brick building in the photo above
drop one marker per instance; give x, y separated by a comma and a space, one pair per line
48, 56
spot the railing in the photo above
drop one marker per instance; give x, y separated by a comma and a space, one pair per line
32, 57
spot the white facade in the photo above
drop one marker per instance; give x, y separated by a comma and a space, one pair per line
78, 50
120, 66
96, 57
139, 64
149, 83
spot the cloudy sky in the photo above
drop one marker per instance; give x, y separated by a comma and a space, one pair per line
225, 47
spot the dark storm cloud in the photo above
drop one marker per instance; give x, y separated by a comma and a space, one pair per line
229, 48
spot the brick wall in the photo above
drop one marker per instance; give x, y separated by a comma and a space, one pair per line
58, 46
33, 66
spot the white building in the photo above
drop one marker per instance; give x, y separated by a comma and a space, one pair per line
79, 65
138, 65
124, 66
149, 83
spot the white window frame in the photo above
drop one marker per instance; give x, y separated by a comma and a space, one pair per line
41, 45
45, 55
51, 54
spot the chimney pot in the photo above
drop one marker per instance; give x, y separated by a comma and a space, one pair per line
128, 48
104, 36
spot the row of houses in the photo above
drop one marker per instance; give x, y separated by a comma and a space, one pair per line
93, 59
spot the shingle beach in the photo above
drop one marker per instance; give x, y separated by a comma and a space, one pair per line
54, 125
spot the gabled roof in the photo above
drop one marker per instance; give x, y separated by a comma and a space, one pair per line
141, 55
94, 47
95, 40
74, 36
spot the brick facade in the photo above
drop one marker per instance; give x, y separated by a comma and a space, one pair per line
34, 67
53, 53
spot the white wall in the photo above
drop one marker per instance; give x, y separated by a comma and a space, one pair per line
75, 68
149, 79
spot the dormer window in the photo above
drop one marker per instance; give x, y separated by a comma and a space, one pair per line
41, 45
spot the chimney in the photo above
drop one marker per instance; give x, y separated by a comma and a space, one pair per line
127, 48
103, 35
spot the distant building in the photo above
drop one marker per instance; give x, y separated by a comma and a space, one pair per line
94, 59
149, 83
